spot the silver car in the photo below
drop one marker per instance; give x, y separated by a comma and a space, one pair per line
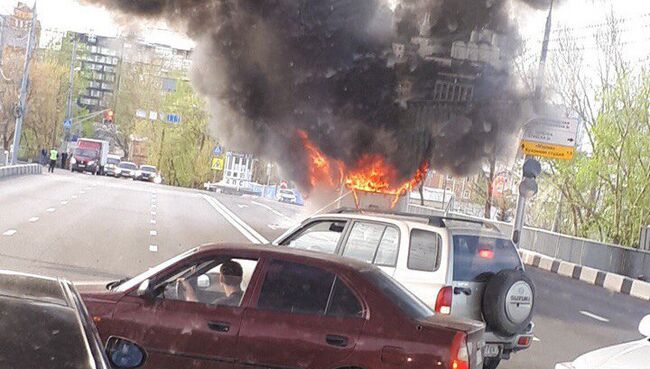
458, 267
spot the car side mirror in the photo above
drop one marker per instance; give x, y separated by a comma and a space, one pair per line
644, 326
145, 290
124, 353
203, 281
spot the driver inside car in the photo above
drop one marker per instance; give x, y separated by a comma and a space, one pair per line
231, 275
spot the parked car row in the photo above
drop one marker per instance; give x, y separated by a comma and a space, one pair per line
117, 168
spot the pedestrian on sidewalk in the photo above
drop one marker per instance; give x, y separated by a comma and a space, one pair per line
64, 159
43, 156
53, 156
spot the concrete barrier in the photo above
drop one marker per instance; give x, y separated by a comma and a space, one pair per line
611, 258
20, 169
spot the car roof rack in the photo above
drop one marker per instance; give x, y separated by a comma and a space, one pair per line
433, 220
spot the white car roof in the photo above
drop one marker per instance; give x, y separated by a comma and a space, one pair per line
417, 221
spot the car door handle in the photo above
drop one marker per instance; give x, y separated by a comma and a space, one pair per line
219, 326
334, 340
465, 290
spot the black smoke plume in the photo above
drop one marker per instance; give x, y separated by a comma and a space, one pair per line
412, 81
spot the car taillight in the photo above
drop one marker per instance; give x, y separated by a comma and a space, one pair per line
459, 358
443, 300
486, 253
523, 341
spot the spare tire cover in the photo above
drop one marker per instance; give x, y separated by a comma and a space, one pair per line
508, 302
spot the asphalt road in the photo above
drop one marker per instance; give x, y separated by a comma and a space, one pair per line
95, 228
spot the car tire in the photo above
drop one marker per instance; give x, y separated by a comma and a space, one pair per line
491, 362
508, 302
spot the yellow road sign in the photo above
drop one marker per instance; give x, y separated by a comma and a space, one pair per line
217, 163
547, 150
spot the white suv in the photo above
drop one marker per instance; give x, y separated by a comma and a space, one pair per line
459, 267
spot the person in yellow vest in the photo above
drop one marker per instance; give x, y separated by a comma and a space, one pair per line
53, 156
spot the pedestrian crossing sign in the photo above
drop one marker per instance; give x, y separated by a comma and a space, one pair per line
217, 164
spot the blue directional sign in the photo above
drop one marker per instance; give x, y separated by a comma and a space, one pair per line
217, 150
67, 123
173, 118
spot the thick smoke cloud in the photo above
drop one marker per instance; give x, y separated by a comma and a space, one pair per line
429, 80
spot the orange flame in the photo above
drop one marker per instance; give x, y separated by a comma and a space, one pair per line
370, 174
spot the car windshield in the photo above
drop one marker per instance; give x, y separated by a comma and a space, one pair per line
476, 258
137, 280
491, 157
397, 294
86, 153
128, 166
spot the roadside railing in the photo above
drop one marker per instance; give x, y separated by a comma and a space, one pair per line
20, 169
608, 257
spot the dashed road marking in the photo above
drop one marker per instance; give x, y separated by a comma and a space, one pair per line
82, 192
10, 233
153, 233
153, 248
74, 196
64, 202
594, 316
33, 219
50, 210
153, 213
152, 221
242, 206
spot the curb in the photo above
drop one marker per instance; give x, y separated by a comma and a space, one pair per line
21, 169
610, 281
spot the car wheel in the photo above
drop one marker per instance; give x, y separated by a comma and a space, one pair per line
508, 302
491, 362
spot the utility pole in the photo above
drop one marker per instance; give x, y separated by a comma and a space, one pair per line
68, 112
528, 183
22, 108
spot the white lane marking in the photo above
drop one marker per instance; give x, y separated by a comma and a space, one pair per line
594, 316
242, 206
153, 206
10, 233
152, 221
153, 233
74, 196
33, 219
153, 213
271, 209
50, 210
536, 339
87, 188
153, 248
241, 226
82, 192
64, 202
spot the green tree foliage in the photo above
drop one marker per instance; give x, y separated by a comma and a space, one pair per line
182, 151
605, 189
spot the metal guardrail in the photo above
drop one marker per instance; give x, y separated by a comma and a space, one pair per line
19, 170
627, 261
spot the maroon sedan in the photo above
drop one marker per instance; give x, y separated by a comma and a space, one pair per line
225, 306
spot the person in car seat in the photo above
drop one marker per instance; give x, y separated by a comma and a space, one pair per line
230, 276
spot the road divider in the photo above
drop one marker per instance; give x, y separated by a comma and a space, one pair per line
243, 228
20, 169
610, 281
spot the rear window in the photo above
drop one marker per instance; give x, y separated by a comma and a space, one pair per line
128, 165
476, 258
